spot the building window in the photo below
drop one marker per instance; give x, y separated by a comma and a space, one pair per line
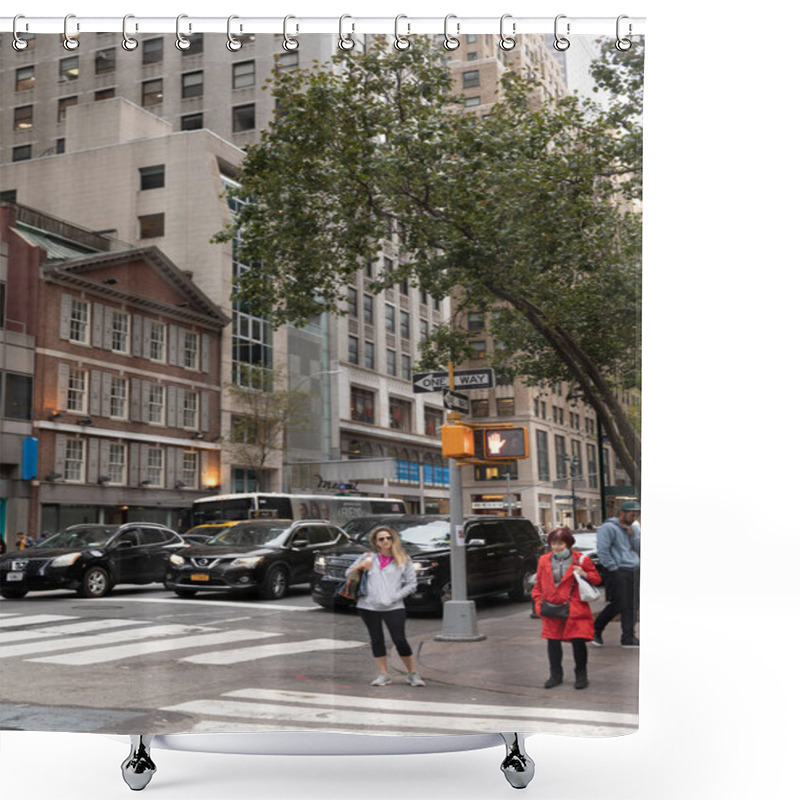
61, 145
471, 102
362, 406
152, 51
289, 61
433, 421
158, 342
391, 362
152, 177
471, 78
26, 78
120, 325
561, 456
118, 398
244, 74
22, 153
63, 104
497, 473
405, 325
191, 122
542, 456
480, 408
151, 226
117, 463
189, 470
23, 118
244, 430
76, 391
244, 118
154, 404
68, 69
154, 466
369, 313
591, 465
352, 301
105, 61
405, 367
406, 471
473, 56
475, 321
152, 92
505, 407
191, 85
478, 349
195, 45
74, 461
400, 415
17, 396
191, 348
369, 355
104, 94
2, 305
79, 321
352, 349
190, 406
390, 318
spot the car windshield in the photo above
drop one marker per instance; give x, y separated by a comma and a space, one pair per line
435, 533
249, 535
206, 530
585, 541
80, 537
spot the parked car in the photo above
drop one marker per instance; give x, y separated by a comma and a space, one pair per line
264, 557
586, 543
200, 534
90, 559
502, 554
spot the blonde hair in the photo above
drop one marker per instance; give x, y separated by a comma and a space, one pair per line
399, 553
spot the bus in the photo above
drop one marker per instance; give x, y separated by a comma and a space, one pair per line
338, 509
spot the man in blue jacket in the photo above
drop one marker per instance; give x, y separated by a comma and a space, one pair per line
618, 545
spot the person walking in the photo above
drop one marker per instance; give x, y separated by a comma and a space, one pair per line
390, 577
556, 583
618, 546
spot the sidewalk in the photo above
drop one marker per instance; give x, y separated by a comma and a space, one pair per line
512, 660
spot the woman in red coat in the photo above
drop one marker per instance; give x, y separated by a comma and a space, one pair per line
555, 583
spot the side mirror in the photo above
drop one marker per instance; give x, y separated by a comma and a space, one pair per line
476, 543
300, 543
124, 544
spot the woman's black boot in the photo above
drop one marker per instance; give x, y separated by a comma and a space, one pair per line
555, 679
581, 680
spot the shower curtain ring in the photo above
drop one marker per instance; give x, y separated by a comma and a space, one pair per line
561, 43
70, 42
128, 42
290, 44
451, 42
18, 43
181, 42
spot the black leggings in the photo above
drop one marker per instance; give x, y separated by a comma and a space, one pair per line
396, 623
555, 655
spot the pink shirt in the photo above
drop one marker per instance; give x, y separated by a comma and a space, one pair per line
384, 561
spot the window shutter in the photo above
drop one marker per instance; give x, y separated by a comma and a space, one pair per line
173, 345
180, 402
147, 335
204, 463
205, 352
63, 384
105, 455
136, 336
92, 460
97, 324
66, 314
133, 466
171, 467
108, 318
172, 402
95, 386
135, 400
204, 411
105, 398
145, 406
60, 454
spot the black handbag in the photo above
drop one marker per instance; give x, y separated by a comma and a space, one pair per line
556, 610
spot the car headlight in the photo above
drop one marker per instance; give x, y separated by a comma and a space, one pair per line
66, 560
320, 562
177, 560
424, 567
247, 561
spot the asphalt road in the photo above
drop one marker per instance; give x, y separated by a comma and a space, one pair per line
145, 661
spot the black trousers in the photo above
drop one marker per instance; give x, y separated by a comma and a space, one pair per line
556, 656
395, 622
623, 590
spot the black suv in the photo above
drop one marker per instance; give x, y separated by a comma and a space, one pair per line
264, 557
502, 555
90, 559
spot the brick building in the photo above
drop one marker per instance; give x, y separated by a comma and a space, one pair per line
125, 405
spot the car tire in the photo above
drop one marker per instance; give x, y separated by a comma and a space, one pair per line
187, 593
13, 594
275, 585
445, 593
96, 583
521, 590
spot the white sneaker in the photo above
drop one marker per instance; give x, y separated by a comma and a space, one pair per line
413, 679
382, 680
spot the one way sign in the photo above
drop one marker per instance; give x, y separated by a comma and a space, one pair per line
463, 379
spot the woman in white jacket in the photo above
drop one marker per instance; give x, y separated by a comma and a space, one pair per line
390, 577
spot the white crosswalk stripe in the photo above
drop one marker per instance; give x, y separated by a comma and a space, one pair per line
221, 657
37, 619
283, 710
68, 630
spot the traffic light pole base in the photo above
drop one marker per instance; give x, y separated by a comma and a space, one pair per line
459, 622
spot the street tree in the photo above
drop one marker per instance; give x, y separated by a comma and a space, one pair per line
528, 214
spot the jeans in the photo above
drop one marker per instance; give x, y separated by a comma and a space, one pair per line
623, 588
395, 621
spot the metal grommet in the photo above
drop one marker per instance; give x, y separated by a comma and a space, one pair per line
507, 42
401, 42
233, 44
290, 44
561, 43
70, 43
451, 42
345, 40
623, 45
18, 43
128, 42
181, 42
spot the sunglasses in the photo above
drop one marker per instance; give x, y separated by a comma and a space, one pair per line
385, 538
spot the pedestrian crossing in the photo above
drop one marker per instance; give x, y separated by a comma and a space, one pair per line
260, 710
70, 641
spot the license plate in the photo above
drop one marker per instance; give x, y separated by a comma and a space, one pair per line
200, 576
14, 576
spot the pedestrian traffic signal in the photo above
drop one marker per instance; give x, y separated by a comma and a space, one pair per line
501, 444
457, 441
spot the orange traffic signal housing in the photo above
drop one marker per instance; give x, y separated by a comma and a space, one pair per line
457, 441
501, 444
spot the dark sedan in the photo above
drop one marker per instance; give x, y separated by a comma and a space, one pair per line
264, 557
502, 555
90, 559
